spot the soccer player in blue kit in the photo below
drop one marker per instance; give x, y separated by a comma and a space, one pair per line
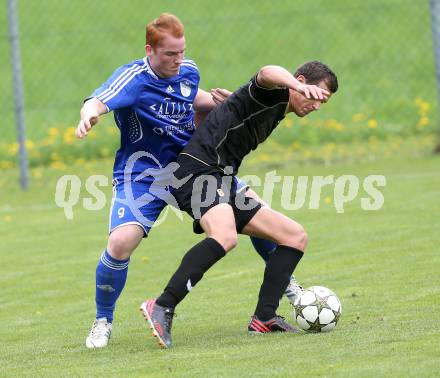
154, 100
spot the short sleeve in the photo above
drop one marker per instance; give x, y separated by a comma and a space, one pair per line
121, 89
267, 97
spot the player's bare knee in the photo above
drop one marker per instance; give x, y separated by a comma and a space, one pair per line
296, 237
227, 240
303, 240
121, 245
300, 238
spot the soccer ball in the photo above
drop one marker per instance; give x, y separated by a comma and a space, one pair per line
317, 309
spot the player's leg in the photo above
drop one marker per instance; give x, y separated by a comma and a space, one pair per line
206, 197
219, 225
112, 269
266, 247
111, 275
291, 242
221, 236
126, 232
263, 247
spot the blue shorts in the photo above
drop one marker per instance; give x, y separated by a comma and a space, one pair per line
141, 203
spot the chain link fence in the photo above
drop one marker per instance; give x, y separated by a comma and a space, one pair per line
381, 51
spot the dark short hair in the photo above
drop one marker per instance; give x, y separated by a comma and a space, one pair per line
314, 72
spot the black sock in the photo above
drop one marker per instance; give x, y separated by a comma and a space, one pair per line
194, 264
280, 266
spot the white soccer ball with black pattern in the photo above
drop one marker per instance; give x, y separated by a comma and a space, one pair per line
317, 309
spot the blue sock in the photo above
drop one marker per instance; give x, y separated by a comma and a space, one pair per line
111, 275
263, 247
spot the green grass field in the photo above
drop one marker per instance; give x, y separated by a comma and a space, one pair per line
384, 266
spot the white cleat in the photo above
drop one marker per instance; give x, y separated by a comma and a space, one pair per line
99, 334
293, 290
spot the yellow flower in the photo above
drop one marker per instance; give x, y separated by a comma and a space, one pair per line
295, 146
53, 132
5, 164
329, 147
332, 124
29, 144
424, 107
395, 145
12, 149
264, 157
58, 165
358, 117
273, 144
80, 161
327, 199
372, 124
7, 218
36, 173
423, 121
111, 131
307, 154
288, 123
68, 136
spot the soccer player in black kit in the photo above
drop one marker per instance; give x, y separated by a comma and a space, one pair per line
208, 163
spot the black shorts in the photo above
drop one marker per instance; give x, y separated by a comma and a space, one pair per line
207, 187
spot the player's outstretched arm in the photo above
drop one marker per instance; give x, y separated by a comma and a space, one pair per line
220, 94
205, 101
89, 114
277, 76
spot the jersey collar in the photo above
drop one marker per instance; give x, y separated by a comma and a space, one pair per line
149, 69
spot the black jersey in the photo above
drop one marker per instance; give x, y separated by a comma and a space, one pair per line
238, 125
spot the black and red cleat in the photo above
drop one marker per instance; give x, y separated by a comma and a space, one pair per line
160, 320
275, 324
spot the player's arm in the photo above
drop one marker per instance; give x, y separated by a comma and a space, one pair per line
89, 114
204, 102
271, 77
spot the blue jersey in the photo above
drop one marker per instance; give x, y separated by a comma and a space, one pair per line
154, 114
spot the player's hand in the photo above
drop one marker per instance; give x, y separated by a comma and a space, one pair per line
86, 123
313, 92
219, 95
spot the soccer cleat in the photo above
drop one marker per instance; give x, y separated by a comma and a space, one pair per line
276, 324
99, 334
160, 320
293, 290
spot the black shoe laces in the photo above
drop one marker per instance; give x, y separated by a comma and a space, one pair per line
168, 321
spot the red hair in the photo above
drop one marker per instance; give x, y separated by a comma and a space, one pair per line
166, 23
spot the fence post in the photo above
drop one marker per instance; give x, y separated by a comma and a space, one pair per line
14, 43
435, 25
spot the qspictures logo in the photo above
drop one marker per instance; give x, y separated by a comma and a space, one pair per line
143, 187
